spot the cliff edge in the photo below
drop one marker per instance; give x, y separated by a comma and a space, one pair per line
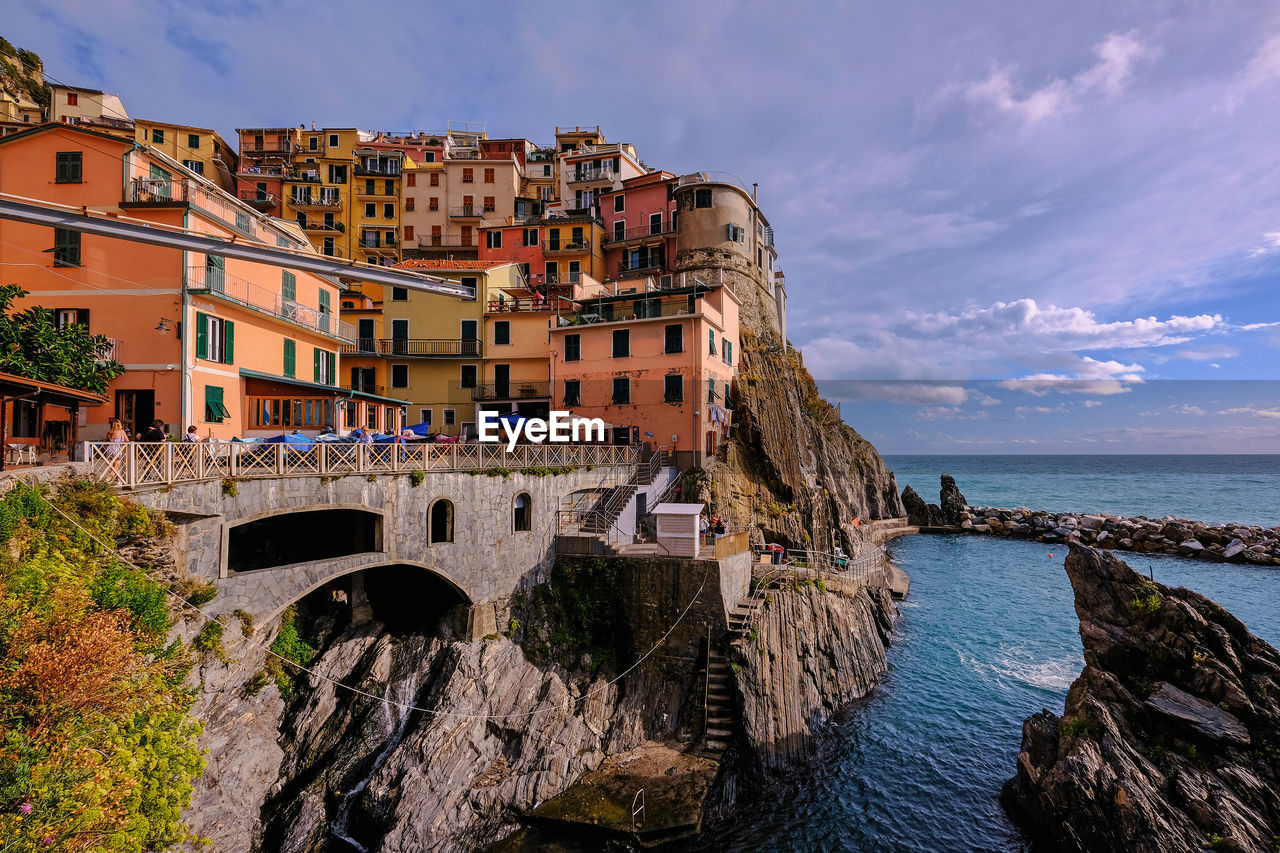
1171, 735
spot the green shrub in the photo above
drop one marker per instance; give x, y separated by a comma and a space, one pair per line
290, 646
417, 477
229, 487
196, 592
1082, 726
246, 621
209, 640
255, 684
1148, 605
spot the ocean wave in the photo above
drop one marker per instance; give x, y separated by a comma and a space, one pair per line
1016, 664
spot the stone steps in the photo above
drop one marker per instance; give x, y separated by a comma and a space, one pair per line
721, 714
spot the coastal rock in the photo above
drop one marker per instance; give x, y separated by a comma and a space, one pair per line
1156, 750
918, 512
953, 502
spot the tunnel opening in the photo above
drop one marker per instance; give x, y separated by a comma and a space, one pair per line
300, 537
405, 599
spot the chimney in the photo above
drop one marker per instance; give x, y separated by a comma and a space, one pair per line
755, 189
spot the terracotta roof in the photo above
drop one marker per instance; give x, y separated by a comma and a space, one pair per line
433, 264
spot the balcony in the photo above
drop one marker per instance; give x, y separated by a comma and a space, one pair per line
258, 199
362, 346
154, 192
112, 353
578, 246
513, 390
362, 388
310, 177
633, 267
472, 212
430, 347
379, 245
447, 241
593, 175
383, 170
640, 233
218, 283
618, 312
248, 171
335, 228
536, 304
323, 201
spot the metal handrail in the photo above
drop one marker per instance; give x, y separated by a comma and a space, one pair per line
132, 464
218, 282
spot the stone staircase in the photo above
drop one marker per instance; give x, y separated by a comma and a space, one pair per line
721, 714
609, 508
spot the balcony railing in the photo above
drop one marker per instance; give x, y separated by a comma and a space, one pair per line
513, 390
642, 265
523, 304
639, 232
445, 241
257, 197
617, 312
157, 192
333, 200
305, 177
383, 170
590, 175
576, 246
137, 463
467, 211
262, 171
336, 227
217, 282
111, 354
430, 347
364, 388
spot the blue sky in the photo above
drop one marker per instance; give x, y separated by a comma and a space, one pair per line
1084, 191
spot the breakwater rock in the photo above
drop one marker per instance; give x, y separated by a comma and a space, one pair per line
1171, 735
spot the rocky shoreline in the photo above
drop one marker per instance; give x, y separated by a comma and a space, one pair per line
1237, 543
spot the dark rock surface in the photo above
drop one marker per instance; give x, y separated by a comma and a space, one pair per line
1171, 736
920, 513
953, 503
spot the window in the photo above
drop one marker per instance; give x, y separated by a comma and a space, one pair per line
214, 411
711, 390
333, 140
702, 197
522, 513
26, 419
711, 338
620, 229
288, 286
242, 221
469, 281
424, 416
573, 347
673, 390
370, 210
389, 186
442, 519
572, 392
313, 144
531, 236
468, 176
73, 99
578, 239
467, 376
408, 233
621, 390
312, 412
621, 343
759, 257
389, 211
488, 176
337, 174
399, 376
327, 247
726, 347
489, 204
193, 140
290, 357
502, 332
399, 294
69, 167
737, 234
493, 239
325, 366
157, 136
215, 339
575, 271
64, 317
619, 203
435, 179
434, 203
726, 393
675, 338
449, 417
408, 202
66, 247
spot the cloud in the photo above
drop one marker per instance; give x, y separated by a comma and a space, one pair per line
1091, 377
1117, 55
1270, 243
1262, 72
1253, 411
950, 413
900, 392
1208, 353
1183, 409
1092, 404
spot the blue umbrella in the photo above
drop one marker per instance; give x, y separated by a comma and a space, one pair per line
295, 440
420, 429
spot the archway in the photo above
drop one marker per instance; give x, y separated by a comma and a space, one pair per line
303, 536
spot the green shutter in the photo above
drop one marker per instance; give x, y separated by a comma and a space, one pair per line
202, 335
333, 367
316, 353
290, 357
214, 410
228, 342
289, 286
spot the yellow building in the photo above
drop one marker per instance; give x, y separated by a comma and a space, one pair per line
18, 112
435, 351
200, 149
572, 246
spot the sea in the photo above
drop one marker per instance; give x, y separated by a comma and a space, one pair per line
988, 636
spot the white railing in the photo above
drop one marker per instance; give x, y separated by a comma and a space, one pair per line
219, 282
133, 464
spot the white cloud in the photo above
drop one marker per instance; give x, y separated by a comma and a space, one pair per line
900, 392
1108, 76
1261, 72
1092, 404
1253, 411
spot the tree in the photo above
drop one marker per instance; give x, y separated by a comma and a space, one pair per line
33, 346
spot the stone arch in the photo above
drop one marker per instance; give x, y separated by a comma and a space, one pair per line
522, 512
324, 531
311, 584
441, 516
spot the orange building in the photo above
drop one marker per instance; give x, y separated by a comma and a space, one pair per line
235, 348
661, 360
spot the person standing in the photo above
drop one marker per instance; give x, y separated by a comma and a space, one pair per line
155, 432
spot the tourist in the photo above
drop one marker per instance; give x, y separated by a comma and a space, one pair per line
191, 436
155, 432
720, 528
703, 526
841, 560
117, 437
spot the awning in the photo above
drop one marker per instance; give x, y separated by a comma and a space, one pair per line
12, 385
266, 379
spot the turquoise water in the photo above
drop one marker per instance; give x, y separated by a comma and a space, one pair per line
1244, 489
988, 636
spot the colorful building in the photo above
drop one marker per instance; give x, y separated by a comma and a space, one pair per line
18, 112
659, 360
640, 226
235, 348
266, 159
89, 108
200, 149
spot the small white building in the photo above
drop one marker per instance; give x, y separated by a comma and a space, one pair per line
678, 528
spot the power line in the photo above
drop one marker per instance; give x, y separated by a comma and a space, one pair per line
404, 706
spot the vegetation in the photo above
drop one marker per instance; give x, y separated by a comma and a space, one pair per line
21, 73
230, 489
1148, 605
97, 746
1082, 726
31, 345
582, 612
416, 477
290, 646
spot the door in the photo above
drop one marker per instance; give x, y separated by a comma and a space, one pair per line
470, 338
502, 381
136, 409
399, 337
161, 182
215, 273
365, 333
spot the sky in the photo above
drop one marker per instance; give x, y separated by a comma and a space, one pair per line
1079, 195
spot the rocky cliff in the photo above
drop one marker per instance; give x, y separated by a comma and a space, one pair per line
1171, 735
812, 652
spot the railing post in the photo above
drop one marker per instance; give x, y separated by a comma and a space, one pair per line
131, 464
168, 461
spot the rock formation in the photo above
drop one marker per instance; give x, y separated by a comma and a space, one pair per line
1171, 735
953, 503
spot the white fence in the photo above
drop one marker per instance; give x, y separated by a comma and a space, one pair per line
145, 463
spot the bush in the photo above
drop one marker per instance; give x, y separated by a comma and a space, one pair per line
209, 640
290, 646
417, 477
229, 487
196, 592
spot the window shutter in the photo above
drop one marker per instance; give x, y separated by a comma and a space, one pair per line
333, 366
290, 357
289, 286
228, 342
82, 317
316, 357
202, 335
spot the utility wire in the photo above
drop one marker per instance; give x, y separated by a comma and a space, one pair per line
112, 552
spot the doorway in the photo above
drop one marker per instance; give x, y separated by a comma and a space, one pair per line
136, 409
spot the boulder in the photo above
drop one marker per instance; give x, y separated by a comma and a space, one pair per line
1092, 522
918, 512
1234, 548
1190, 546
952, 501
1202, 718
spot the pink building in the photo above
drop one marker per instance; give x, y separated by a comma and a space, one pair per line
639, 226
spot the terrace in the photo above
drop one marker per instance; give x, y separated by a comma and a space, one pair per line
216, 282
639, 233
